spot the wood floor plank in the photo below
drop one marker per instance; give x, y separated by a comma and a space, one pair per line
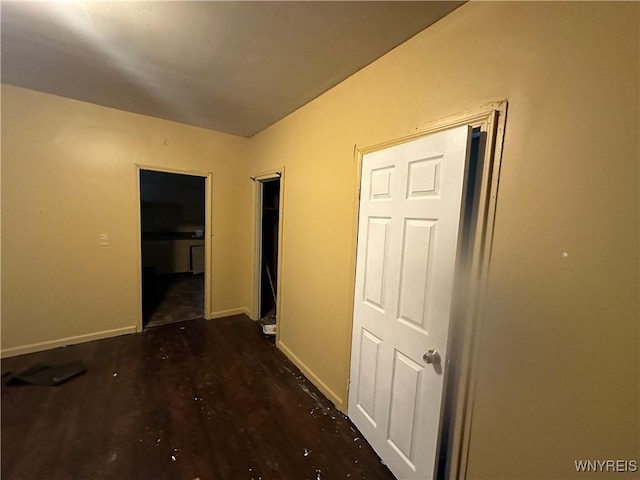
199, 399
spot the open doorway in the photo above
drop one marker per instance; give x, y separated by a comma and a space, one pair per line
172, 225
267, 261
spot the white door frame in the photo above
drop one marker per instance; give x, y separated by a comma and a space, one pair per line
259, 179
208, 233
460, 369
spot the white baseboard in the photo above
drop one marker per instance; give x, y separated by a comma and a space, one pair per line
330, 394
229, 313
40, 346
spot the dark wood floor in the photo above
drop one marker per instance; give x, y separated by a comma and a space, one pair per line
171, 298
200, 399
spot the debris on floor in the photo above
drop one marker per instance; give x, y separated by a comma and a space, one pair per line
269, 318
269, 329
48, 375
268, 322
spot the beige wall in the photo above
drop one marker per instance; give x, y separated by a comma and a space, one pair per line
68, 174
559, 364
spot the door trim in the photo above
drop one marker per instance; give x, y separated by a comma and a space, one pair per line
278, 173
460, 376
208, 233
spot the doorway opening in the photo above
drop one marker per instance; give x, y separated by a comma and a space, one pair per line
268, 195
172, 226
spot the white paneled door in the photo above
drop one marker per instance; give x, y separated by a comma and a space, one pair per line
410, 204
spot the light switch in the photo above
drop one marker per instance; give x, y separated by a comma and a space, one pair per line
103, 240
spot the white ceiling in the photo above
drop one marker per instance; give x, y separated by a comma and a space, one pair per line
231, 66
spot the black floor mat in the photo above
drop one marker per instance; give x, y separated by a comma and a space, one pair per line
48, 375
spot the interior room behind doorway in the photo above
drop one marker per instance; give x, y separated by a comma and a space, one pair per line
172, 214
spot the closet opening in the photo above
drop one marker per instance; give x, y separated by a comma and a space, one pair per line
268, 248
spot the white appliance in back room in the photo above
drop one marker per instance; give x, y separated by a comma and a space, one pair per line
197, 259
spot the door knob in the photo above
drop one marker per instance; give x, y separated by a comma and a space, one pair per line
432, 356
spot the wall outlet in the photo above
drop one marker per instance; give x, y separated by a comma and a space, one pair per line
103, 240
